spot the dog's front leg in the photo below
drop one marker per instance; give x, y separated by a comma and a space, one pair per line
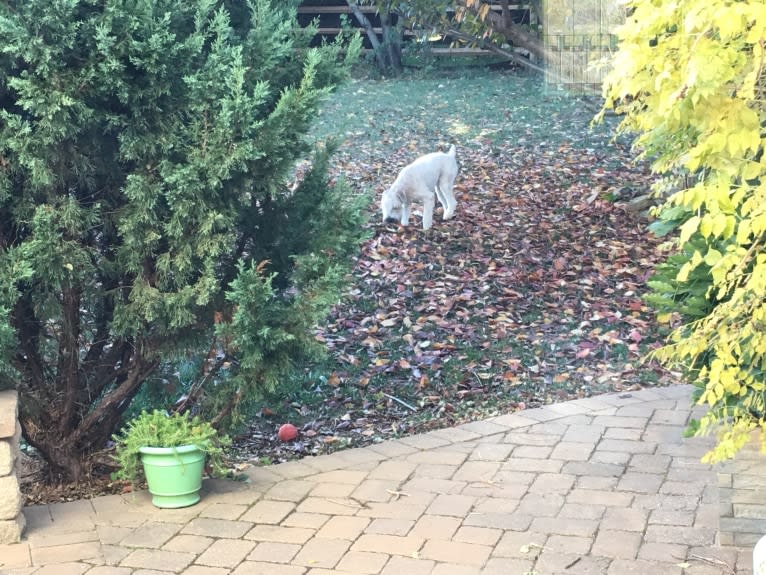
405, 214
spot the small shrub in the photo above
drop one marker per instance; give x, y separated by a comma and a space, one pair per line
158, 429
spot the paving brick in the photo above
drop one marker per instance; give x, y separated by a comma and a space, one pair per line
596, 482
63, 569
344, 476
552, 483
263, 568
520, 544
362, 562
485, 428
456, 569
642, 567
52, 538
324, 506
640, 482
681, 488
200, 570
404, 508
389, 544
514, 421
491, 452
151, 534
216, 528
456, 434
333, 490
390, 526
380, 490
707, 515
569, 544
532, 452
424, 441
273, 552
610, 457
109, 570
437, 457
670, 417
456, 552
113, 554
551, 428
456, 505
66, 553
435, 471
624, 519
599, 497
617, 544
507, 566
392, 448
306, 520
535, 465
566, 563
408, 566
620, 421
435, 527
667, 517
443, 486
480, 535
625, 446
15, 556
280, 534
268, 511
593, 469
343, 527
646, 463
157, 559
224, 511
499, 488
569, 451
565, 526
582, 511
623, 433
668, 552
290, 490
658, 501
225, 553
680, 535
541, 504
476, 471
322, 553
514, 522
295, 469
396, 470
541, 439
587, 433
188, 544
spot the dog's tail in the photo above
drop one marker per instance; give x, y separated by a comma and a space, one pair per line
451, 151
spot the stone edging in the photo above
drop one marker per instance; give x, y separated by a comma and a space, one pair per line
11, 519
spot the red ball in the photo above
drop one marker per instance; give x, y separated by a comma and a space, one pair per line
287, 432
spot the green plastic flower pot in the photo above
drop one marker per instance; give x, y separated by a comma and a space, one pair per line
174, 474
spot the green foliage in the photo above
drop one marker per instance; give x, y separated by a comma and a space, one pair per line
145, 150
689, 78
158, 429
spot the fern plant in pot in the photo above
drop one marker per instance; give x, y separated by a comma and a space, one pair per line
170, 452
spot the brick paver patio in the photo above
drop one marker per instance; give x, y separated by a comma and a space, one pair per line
604, 485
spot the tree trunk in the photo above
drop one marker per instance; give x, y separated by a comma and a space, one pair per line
392, 39
371, 35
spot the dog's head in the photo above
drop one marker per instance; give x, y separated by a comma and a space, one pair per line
391, 206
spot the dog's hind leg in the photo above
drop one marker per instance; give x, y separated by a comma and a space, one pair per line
429, 203
446, 197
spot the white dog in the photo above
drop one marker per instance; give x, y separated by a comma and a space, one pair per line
429, 177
